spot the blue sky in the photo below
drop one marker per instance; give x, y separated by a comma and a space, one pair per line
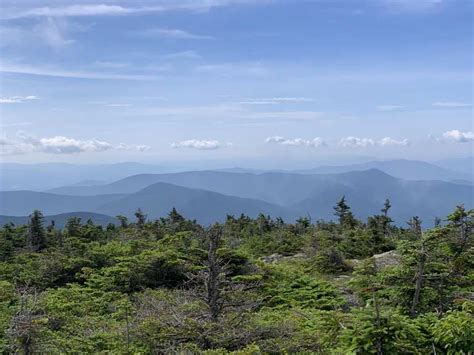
235, 81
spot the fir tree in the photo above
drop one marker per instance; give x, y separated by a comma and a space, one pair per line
36, 237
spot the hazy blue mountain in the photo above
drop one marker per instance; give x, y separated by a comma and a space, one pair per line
39, 177
22, 203
278, 188
277, 194
403, 169
90, 183
61, 219
464, 165
366, 191
205, 206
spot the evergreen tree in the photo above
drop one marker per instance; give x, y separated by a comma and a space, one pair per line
344, 214
36, 237
73, 226
386, 207
141, 218
462, 222
123, 221
174, 217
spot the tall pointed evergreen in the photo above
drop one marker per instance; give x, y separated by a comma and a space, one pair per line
141, 218
344, 214
36, 237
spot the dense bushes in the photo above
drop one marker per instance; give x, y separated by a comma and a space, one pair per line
248, 285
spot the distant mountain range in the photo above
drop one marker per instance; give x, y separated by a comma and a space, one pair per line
464, 165
41, 177
209, 196
403, 169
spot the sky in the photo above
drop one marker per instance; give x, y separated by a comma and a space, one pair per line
235, 81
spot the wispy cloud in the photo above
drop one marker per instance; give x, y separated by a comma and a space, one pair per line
24, 143
173, 33
254, 69
91, 9
275, 100
411, 5
355, 142
452, 104
296, 142
200, 144
182, 55
65, 73
388, 108
121, 105
80, 10
51, 32
109, 64
17, 99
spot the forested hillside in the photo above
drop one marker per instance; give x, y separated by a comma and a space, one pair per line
245, 286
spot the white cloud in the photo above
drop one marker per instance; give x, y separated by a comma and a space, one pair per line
172, 33
298, 142
139, 147
387, 141
388, 108
355, 142
17, 99
458, 136
200, 144
451, 104
24, 143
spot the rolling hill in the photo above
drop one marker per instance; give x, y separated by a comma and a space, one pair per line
205, 206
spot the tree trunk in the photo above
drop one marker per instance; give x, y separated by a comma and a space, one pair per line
418, 280
212, 283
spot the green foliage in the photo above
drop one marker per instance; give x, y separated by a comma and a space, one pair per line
393, 333
454, 333
251, 286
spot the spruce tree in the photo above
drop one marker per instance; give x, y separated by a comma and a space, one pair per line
36, 237
343, 212
141, 218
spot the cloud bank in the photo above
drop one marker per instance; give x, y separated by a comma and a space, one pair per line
24, 144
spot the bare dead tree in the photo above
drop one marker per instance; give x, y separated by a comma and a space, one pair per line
23, 325
415, 226
213, 284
